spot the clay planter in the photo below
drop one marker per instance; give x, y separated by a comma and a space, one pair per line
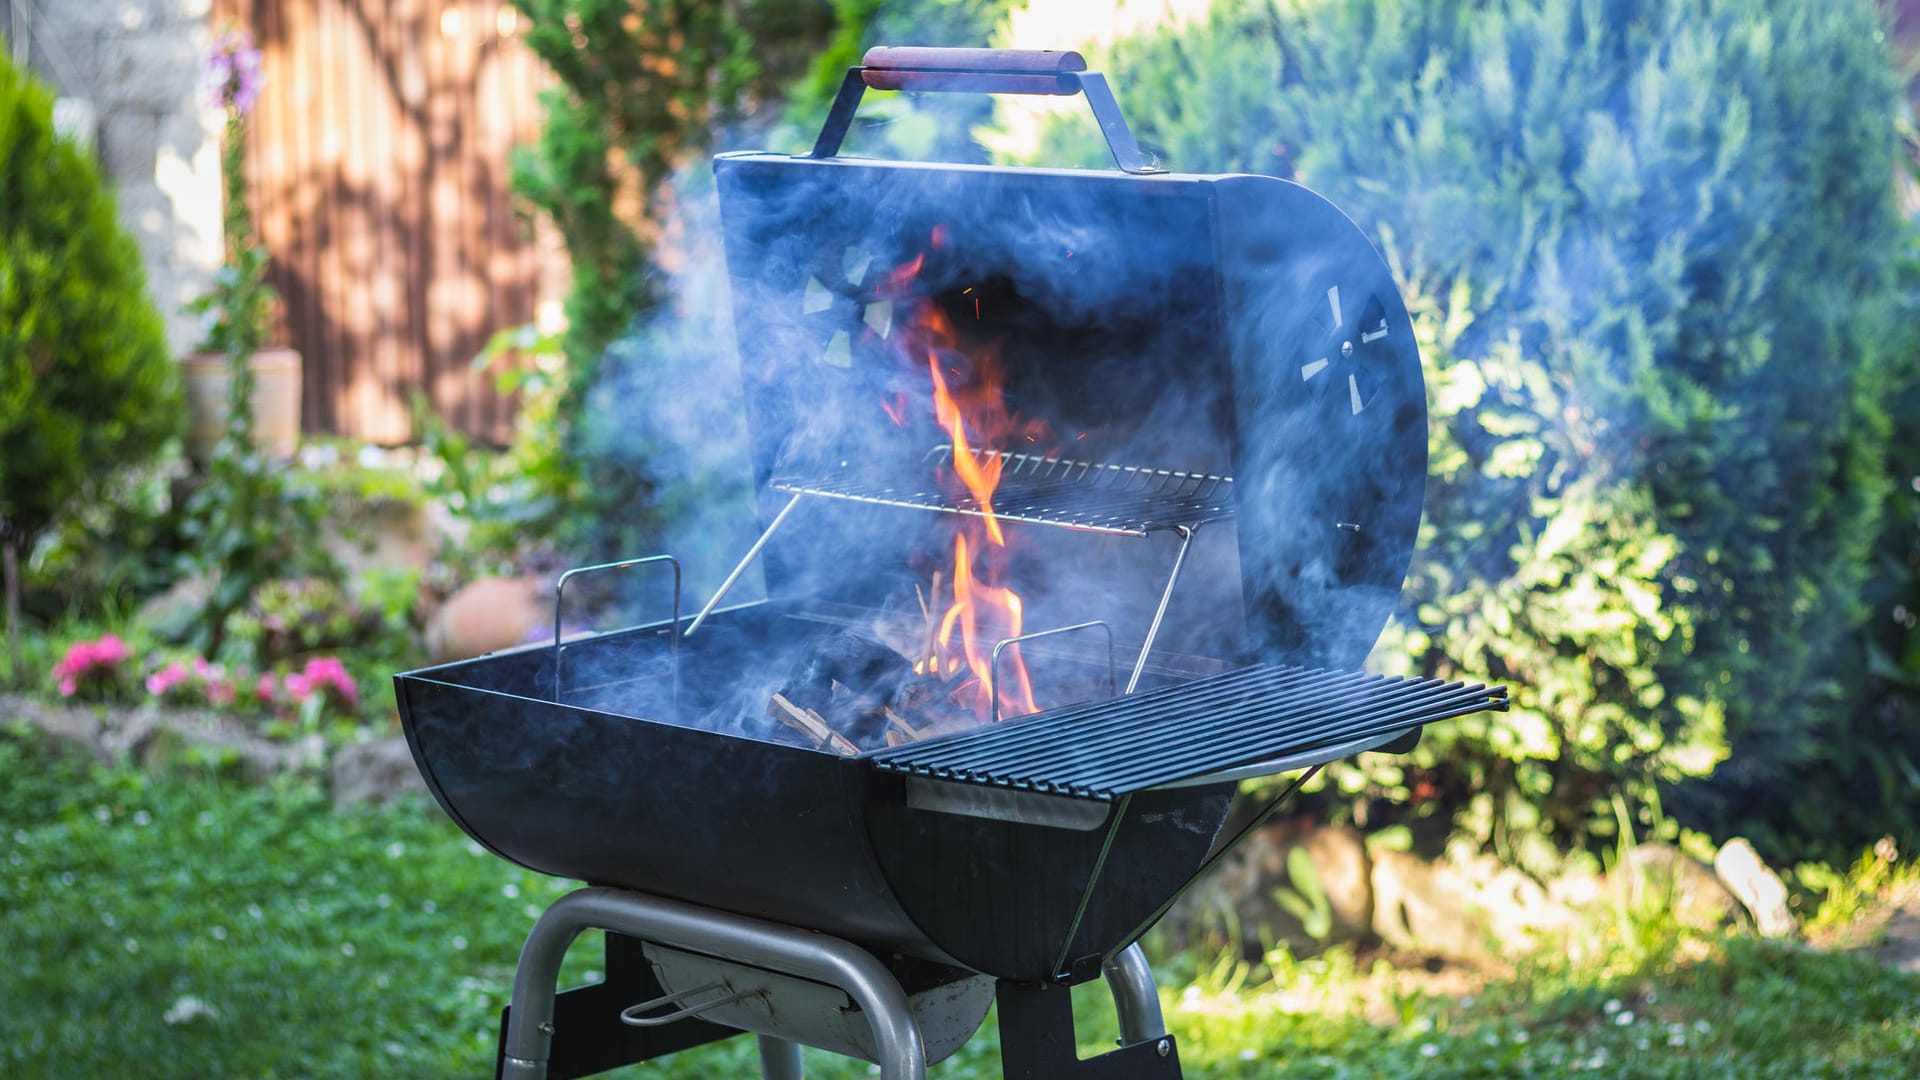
276, 401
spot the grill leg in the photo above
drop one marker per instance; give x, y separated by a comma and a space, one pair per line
1135, 996
529, 1038
779, 1059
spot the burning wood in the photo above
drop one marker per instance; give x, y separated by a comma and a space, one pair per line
811, 725
858, 691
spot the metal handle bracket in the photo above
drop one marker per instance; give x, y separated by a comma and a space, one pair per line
983, 71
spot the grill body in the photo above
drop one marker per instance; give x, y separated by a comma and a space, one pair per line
594, 789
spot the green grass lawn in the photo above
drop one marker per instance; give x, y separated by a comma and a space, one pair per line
183, 926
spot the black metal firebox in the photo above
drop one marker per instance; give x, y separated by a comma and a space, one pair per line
1210, 475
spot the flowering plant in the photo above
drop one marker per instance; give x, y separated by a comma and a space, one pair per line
91, 669
247, 523
236, 310
178, 683
322, 685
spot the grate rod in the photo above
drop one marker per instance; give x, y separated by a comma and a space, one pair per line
1091, 729
1294, 728
1070, 726
1118, 743
1324, 716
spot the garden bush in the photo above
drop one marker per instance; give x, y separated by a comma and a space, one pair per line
86, 383
1649, 246
643, 89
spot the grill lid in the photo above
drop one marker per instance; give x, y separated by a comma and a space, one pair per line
1181, 336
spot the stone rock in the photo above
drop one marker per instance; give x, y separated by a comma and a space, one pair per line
1657, 875
1238, 902
168, 615
130, 143
488, 615
380, 533
1429, 907
159, 71
374, 773
1464, 906
1339, 856
1756, 886
77, 726
152, 736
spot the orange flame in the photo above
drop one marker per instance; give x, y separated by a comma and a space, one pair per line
980, 479
968, 408
977, 605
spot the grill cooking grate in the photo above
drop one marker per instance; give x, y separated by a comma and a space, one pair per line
1197, 729
1115, 499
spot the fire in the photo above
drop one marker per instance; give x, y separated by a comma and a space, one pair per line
970, 407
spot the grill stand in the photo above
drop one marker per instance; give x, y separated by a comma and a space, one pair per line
1036, 1021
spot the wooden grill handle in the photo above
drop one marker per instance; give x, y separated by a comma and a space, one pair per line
982, 71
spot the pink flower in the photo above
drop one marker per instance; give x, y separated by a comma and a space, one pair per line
220, 692
88, 662
297, 686
327, 673
166, 679
264, 689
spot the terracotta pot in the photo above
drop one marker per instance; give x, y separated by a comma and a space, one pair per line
276, 401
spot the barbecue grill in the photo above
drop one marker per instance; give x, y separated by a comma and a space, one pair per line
1182, 420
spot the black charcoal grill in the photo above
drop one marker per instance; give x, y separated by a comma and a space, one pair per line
1209, 498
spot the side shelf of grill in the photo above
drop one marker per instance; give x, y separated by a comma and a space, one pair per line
1249, 722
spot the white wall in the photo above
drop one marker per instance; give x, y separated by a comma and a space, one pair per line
133, 71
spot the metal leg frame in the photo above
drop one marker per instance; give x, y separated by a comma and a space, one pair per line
1135, 996
829, 960
1037, 1038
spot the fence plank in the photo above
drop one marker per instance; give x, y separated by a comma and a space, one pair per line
379, 180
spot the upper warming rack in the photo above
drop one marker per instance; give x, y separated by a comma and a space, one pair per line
1118, 500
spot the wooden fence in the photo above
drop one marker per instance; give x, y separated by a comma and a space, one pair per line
379, 179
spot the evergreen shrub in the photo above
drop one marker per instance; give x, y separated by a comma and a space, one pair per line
1649, 245
86, 382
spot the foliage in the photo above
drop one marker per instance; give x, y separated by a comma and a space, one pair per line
1648, 245
508, 501
235, 931
85, 380
1888, 720
1878, 878
640, 85
645, 87
937, 126
112, 550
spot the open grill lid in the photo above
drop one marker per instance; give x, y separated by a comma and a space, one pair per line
1196, 347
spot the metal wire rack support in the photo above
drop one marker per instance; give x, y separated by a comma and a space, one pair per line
673, 628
